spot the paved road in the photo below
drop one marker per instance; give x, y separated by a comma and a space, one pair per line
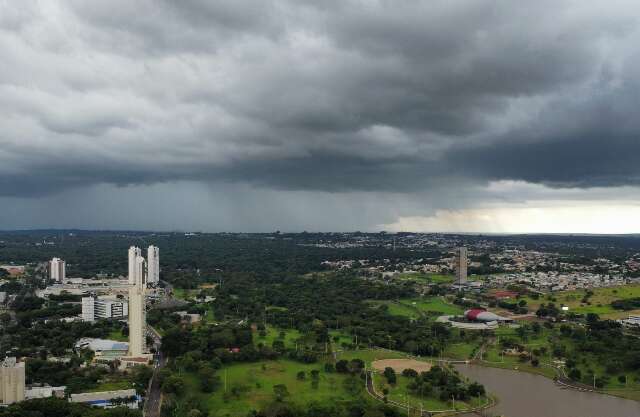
154, 395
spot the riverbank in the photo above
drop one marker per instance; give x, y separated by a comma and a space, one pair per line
525, 394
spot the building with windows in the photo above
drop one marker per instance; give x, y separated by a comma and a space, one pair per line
103, 308
57, 270
461, 265
12, 378
153, 265
134, 254
137, 316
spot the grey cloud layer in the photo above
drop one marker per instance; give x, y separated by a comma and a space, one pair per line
330, 96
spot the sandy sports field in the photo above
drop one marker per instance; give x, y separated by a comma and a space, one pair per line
400, 365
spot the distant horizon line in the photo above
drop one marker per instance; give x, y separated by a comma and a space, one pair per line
59, 230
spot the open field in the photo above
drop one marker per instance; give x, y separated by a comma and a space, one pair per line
400, 365
401, 393
599, 303
118, 336
249, 386
418, 307
369, 355
430, 278
273, 333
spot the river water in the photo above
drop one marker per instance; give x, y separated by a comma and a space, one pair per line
527, 395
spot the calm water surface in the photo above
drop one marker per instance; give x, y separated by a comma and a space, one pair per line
527, 395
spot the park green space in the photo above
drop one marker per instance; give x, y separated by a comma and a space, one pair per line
586, 363
273, 333
117, 336
399, 392
112, 383
369, 355
427, 277
599, 303
249, 386
419, 307
183, 294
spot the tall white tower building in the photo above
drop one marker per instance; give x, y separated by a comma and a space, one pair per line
137, 316
153, 265
57, 270
461, 265
134, 252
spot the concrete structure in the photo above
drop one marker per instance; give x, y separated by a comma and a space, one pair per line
106, 399
57, 270
103, 348
461, 265
44, 391
134, 253
103, 308
137, 319
153, 265
12, 377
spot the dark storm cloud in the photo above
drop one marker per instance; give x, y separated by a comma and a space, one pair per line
321, 96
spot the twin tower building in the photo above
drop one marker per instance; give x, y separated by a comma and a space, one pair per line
142, 273
141, 270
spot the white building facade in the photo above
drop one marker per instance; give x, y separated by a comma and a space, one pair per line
12, 379
153, 265
57, 270
99, 308
134, 253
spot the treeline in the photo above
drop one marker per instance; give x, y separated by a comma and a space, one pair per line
40, 339
58, 407
627, 304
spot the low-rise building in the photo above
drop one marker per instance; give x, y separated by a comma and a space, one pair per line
108, 399
103, 308
44, 391
103, 349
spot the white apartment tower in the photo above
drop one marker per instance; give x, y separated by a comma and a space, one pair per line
461, 265
134, 253
12, 378
57, 270
137, 319
153, 265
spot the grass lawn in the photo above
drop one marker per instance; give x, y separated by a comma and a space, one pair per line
435, 305
183, 294
250, 386
397, 308
417, 307
369, 355
600, 301
460, 351
431, 278
112, 385
400, 393
273, 333
117, 335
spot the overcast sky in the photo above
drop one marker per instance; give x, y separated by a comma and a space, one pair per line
234, 115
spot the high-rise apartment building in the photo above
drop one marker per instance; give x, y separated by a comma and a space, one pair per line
137, 317
461, 265
134, 253
12, 378
153, 265
57, 270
